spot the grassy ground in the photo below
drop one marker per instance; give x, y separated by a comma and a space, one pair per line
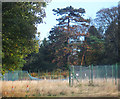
59, 88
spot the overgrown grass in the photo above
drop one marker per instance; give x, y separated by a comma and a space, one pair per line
58, 88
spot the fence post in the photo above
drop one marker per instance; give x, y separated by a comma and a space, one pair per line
89, 74
46, 74
92, 73
39, 74
106, 72
118, 76
116, 69
72, 75
112, 74
69, 76
80, 73
60, 74
97, 72
53, 75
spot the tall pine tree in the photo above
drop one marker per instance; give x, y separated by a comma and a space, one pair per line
70, 28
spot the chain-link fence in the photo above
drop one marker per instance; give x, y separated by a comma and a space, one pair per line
17, 75
92, 73
36, 75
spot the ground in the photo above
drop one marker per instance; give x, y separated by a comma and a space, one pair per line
59, 88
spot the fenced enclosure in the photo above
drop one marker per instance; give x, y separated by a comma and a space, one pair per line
91, 74
85, 81
80, 78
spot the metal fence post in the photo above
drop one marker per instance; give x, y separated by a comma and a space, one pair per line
89, 74
80, 73
116, 69
118, 76
46, 74
92, 73
106, 72
73, 76
69, 76
39, 74
60, 74
53, 75
112, 74
97, 72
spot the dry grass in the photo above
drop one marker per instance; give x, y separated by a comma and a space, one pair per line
59, 88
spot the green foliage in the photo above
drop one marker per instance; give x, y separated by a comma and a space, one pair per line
111, 43
94, 32
92, 49
58, 43
41, 60
99, 46
107, 22
18, 31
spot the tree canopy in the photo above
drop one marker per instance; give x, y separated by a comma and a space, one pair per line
107, 20
71, 26
72, 41
19, 31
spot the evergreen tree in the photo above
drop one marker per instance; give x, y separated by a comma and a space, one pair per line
41, 61
71, 27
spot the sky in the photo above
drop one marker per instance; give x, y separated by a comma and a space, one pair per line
90, 6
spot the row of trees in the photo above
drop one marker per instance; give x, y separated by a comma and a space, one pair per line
72, 40
75, 40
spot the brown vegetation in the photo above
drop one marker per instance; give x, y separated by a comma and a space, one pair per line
58, 88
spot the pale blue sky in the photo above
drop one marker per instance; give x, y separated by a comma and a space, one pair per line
90, 6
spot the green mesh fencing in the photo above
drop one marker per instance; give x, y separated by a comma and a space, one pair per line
18, 75
91, 73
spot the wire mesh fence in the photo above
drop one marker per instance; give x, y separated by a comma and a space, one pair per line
93, 73
16, 75
36, 75
77, 74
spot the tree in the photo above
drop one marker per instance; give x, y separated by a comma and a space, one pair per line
18, 31
107, 21
119, 34
94, 32
105, 17
111, 38
40, 61
71, 26
58, 46
92, 49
